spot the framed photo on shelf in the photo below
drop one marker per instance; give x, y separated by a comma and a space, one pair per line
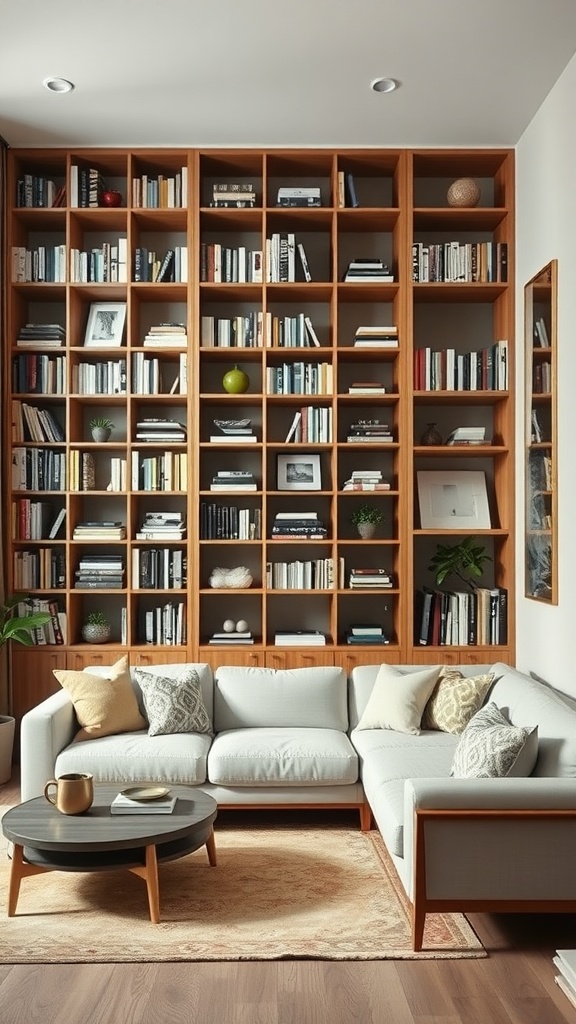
453, 500
299, 472
105, 326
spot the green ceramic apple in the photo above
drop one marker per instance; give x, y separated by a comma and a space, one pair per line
235, 381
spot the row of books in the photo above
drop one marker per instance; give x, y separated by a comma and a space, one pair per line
54, 631
148, 375
221, 264
311, 425
43, 264
449, 370
36, 374
102, 264
159, 569
166, 471
166, 624
160, 191
149, 266
102, 377
311, 574
32, 423
35, 520
229, 522
35, 190
300, 378
38, 469
456, 261
241, 331
41, 569
463, 618
286, 259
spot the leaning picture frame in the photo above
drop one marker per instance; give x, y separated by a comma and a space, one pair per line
453, 500
105, 325
300, 472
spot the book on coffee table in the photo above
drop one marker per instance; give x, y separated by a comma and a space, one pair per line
124, 805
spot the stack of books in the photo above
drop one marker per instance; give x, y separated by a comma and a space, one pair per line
299, 638
234, 194
369, 269
366, 480
100, 529
124, 805
166, 335
565, 961
233, 432
100, 572
233, 480
162, 526
45, 335
369, 431
367, 387
236, 637
369, 633
467, 435
370, 578
158, 429
290, 196
298, 526
376, 337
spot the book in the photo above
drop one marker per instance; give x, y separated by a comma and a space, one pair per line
304, 262
351, 190
124, 805
57, 524
366, 629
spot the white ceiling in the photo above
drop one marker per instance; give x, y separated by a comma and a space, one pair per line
272, 73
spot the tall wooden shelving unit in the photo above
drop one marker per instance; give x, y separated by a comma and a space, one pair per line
402, 199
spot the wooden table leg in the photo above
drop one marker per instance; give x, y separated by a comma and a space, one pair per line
211, 848
19, 869
149, 872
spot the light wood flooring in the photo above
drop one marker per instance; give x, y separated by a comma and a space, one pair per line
514, 985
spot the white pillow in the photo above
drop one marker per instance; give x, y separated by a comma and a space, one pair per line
398, 699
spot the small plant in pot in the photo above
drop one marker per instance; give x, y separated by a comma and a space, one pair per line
464, 560
101, 428
96, 629
366, 518
19, 628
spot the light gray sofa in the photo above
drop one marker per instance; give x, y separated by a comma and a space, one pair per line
291, 738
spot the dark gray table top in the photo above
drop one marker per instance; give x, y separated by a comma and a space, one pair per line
37, 823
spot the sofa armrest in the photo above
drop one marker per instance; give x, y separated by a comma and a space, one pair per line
497, 794
44, 732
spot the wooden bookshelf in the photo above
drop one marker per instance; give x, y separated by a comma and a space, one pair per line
402, 203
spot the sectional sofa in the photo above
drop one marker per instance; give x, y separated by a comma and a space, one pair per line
490, 838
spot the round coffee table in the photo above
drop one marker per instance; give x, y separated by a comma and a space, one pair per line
46, 840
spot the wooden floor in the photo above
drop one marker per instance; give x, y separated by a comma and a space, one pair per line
514, 985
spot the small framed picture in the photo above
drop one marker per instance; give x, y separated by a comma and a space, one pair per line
299, 473
105, 327
453, 500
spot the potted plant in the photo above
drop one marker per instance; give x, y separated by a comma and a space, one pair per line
96, 629
366, 518
21, 629
101, 428
464, 560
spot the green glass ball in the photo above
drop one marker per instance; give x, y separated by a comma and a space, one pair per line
235, 381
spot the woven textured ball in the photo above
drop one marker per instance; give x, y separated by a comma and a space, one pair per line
463, 192
230, 579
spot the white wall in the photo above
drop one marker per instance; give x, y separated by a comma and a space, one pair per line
546, 229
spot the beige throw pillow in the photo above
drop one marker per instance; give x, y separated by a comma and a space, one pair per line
103, 705
398, 700
455, 699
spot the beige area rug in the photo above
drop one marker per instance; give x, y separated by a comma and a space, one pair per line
328, 893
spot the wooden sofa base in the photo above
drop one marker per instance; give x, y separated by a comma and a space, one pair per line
364, 809
423, 904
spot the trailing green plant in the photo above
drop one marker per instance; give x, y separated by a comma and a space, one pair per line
97, 619
366, 514
19, 627
464, 560
101, 421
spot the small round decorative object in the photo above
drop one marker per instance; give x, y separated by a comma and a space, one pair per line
463, 192
235, 381
228, 626
110, 198
241, 626
94, 633
431, 435
230, 579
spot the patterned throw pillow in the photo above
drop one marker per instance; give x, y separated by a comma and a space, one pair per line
173, 705
491, 748
455, 699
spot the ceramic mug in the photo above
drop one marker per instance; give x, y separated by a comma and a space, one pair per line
74, 792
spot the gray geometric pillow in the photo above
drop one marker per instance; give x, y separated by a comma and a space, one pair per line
491, 748
173, 705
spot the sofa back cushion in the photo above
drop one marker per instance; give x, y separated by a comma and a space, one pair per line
527, 702
277, 698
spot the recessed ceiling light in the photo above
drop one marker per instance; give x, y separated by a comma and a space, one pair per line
385, 84
58, 84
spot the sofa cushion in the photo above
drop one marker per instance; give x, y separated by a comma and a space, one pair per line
104, 703
490, 747
455, 699
282, 756
138, 757
397, 701
288, 698
173, 704
526, 701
